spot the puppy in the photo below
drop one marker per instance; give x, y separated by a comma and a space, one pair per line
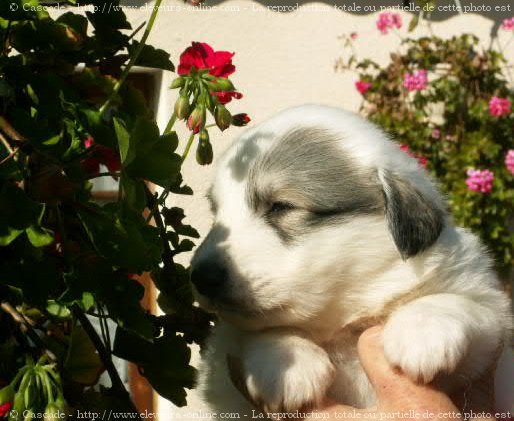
322, 228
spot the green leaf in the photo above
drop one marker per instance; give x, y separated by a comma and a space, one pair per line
15, 10
8, 235
134, 192
108, 17
188, 231
164, 362
58, 310
38, 277
154, 159
108, 285
123, 140
101, 131
83, 364
39, 236
413, 23
17, 212
152, 57
122, 236
77, 22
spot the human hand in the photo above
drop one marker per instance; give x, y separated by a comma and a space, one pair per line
399, 398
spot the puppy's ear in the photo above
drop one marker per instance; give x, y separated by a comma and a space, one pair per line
414, 220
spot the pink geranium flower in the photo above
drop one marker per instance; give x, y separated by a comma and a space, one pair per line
416, 81
499, 106
436, 133
362, 86
480, 180
509, 161
387, 21
508, 24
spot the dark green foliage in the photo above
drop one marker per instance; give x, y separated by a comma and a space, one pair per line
61, 254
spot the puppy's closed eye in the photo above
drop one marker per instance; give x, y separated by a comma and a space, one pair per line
280, 208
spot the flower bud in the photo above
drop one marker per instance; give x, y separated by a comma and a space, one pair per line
6, 394
182, 107
221, 84
241, 119
223, 117
18, 407
6, 398
204, 136
52, 412
204, 153
178, 83
28, 415
197, 119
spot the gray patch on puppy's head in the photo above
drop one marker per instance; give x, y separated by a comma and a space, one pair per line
308, 170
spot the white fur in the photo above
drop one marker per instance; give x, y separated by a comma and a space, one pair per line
293, 344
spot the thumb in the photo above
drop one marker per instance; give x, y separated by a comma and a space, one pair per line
385, 379
393, 389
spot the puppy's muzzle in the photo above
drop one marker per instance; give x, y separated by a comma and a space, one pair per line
209, 278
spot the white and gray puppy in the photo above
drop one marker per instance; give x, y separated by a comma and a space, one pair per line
323, 227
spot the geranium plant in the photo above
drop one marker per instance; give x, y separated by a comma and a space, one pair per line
68, 114
449, 102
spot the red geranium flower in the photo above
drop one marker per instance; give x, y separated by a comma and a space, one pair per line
101, 155
224, 97
5, 408
202, 56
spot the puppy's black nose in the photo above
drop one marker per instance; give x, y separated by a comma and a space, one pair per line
209, 278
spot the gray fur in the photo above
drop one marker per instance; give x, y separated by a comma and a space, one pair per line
307, 169
414, 221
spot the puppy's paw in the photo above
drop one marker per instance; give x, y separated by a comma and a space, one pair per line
424, 342
286, 374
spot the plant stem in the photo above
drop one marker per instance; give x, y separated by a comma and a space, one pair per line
10, 131
105, 329
64, 236
188, 146
48, 386
136, 31
11, 155
167, 252
4, 142
171, 122
133, 59
104, 355
117, 384
166, 191
26, 328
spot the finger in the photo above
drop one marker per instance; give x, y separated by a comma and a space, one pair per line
391, 385
330, 410
384, 378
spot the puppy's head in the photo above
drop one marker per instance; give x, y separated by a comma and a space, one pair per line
304, 205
